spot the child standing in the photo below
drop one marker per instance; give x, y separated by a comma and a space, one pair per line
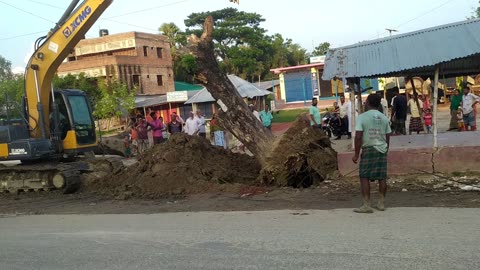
427, 118
461, 126
126, 146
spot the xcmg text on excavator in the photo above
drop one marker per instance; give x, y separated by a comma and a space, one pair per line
56, 125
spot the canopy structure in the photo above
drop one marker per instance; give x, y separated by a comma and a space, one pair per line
454, 48
451, 49
244, 88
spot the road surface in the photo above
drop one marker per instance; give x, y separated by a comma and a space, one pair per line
400, 238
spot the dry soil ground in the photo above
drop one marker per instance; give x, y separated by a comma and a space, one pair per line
407, 191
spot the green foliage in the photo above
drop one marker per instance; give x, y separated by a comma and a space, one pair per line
5, 69
185, 67
321, 49
243, 46
476, 12
11, 92
176, 37
81, 82
117, 100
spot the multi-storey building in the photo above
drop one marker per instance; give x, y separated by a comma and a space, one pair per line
137, 59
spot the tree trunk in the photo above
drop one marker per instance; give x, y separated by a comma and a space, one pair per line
301, 157
236, 117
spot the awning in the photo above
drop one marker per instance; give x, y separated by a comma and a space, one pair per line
455, 47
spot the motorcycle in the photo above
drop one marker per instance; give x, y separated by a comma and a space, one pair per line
331, 124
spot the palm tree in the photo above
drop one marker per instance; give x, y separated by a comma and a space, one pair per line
174, 35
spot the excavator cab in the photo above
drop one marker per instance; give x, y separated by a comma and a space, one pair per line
71, 133
75, 126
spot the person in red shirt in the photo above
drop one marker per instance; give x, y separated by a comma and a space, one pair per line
427, 118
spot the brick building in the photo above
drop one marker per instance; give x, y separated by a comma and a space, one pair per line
134, 58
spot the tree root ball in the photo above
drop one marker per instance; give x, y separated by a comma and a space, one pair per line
301, 157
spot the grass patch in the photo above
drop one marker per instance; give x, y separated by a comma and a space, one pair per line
286, 116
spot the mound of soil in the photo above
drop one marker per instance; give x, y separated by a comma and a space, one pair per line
301, 157
183, 165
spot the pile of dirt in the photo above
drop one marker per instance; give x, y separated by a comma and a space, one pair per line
183, 165
302, 157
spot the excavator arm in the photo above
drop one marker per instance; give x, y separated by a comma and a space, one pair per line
48, 56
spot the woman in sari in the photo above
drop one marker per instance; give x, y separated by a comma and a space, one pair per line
218, 132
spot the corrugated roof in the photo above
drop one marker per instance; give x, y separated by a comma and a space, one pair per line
267, 84
244, 88
455, 46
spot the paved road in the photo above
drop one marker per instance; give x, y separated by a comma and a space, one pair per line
400, 238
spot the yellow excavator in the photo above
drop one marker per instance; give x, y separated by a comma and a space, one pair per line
56, 125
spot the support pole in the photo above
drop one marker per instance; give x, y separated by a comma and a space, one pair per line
435, 106
353, 119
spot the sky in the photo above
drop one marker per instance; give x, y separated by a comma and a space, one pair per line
306, 22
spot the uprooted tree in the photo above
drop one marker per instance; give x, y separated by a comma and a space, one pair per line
301, 156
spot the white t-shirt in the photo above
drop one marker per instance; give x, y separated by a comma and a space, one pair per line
191, 126
467, 101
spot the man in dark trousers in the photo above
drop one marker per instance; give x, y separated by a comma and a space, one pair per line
399, 113
372, 137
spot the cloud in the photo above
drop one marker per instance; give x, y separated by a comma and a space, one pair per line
18, 70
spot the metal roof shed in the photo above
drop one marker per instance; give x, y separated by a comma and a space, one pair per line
453, 49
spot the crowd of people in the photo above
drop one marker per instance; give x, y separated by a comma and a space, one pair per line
462, 110
145, 131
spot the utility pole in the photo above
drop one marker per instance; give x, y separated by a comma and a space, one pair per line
391, 30
396, 79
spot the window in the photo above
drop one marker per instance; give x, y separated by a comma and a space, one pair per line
159, 80
136, 83
145, 50
136, 80
159, 52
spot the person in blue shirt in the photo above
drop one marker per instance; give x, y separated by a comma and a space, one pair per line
266, 117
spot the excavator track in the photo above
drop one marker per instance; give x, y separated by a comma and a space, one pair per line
47, 176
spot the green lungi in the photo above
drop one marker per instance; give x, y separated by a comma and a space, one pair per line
373, 164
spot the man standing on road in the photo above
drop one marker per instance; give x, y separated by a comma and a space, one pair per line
399, 113
372, 137
455, 101
174, 126
266, 116
314, 114
345, 113
191, 125
469, 101
202, 131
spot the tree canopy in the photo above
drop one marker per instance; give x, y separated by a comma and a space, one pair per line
5, 69
242, 46
321, 49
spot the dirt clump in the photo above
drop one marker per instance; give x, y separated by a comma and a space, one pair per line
301, 157
182, 165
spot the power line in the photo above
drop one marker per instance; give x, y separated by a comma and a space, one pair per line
147, 9
24, 35
419, 16
134, 25
28, 12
